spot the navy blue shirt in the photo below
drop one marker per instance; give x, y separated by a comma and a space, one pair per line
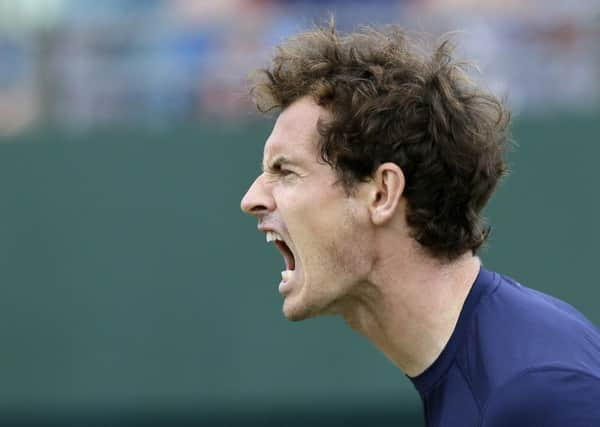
517, 358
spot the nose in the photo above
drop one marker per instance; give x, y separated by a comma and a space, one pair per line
257, 200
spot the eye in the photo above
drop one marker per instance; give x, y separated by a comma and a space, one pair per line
285, 172
278, 169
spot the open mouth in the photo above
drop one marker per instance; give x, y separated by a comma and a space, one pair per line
288, 256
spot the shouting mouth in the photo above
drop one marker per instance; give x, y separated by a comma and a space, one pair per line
288, 256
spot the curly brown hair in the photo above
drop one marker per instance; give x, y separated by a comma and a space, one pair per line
393, 100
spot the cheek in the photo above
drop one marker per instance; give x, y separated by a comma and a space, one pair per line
350, 249
326, 228
343, 245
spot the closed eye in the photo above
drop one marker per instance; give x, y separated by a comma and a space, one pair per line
284, 172
278, 168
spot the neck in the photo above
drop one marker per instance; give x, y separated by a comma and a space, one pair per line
410, 306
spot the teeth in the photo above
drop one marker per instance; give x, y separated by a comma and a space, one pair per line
271, 236
286, 275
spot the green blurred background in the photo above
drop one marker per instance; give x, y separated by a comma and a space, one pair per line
134, 292
134, 288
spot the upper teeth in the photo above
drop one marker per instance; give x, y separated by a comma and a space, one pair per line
271, 235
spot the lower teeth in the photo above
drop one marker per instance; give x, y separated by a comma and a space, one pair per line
286, 275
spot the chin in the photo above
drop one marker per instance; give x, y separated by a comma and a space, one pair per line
295, 313
297, 308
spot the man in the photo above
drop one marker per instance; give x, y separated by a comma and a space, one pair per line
374, 177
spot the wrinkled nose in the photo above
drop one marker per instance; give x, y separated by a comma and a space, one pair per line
257, 200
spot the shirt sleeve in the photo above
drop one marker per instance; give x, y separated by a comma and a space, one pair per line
545, 397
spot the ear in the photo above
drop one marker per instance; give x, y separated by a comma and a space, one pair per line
386, 190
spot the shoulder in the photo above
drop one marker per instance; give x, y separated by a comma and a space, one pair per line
516, 329
546, 396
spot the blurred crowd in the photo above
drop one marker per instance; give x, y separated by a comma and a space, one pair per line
88, 63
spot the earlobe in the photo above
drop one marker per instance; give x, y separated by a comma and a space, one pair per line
388, 182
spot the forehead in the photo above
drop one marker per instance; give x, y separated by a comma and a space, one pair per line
295, 132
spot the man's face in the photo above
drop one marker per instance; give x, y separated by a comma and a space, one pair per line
325, 232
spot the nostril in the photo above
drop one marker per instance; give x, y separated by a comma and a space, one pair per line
251, 207
257, 205
258, 209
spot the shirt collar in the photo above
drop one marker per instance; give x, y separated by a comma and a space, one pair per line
484, 284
